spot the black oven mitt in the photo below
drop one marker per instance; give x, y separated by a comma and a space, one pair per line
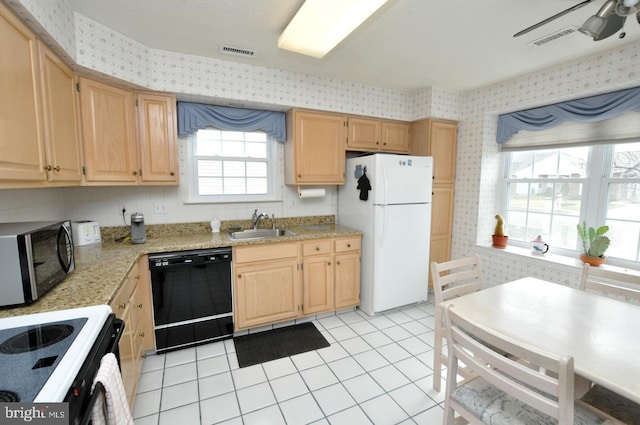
364, 186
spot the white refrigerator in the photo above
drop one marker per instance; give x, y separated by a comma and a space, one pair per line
395, 219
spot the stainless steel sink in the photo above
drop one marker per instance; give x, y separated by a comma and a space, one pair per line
260, 234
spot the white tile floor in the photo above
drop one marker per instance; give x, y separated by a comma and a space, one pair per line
376, 371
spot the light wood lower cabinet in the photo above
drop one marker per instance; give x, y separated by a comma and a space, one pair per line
282, 281
132, 304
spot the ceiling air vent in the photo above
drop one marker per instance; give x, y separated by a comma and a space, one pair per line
230, 50
554, 36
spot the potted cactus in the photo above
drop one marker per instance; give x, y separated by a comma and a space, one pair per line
499, 238
594, 244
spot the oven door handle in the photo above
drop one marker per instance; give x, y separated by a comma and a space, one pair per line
118, 329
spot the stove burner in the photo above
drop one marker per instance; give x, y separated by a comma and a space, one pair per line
36, 338
7, 396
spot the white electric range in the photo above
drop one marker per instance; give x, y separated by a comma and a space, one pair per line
54, 356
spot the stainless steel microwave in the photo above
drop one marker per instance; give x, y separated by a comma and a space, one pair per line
34, 257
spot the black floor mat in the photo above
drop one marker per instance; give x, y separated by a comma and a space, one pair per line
277, 343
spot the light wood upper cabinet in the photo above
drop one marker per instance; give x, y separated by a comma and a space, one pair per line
61, 133
124, 147
21, 137
369, 135
157, 138
109, 133
363, 134
395, 136
437, 139
315, 151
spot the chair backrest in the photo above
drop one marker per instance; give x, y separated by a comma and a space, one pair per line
610, 282
456, 277
536, 378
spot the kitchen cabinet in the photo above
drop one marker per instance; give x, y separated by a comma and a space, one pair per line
347, 272
132, 304
61, 128
315, 151
266, 284
157, 136
317, 276
283, 281
21, 136
370, 135
437, 138
122, 147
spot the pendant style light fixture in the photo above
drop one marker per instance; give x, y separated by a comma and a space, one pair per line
320, 25
597, 23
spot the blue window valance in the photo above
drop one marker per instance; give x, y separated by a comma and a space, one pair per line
586, 110
195, 116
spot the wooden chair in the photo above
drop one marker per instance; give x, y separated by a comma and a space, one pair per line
621, 286
451, 279
504, 390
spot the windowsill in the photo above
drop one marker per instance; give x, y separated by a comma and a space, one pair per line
548, 259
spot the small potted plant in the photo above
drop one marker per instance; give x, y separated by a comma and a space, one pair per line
594, 244
499, 238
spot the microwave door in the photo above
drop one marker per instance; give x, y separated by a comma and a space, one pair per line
64, 249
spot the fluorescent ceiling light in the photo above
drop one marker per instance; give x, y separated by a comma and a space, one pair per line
320, 25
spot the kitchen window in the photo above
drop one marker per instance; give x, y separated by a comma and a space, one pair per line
232, 166
548, 192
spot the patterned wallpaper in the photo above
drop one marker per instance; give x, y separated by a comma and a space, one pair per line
98, 48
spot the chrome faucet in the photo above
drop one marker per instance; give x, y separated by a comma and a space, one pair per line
256, 217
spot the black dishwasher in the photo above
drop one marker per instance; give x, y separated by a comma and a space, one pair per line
192, 297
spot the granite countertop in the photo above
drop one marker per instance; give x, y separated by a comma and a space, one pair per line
101, 268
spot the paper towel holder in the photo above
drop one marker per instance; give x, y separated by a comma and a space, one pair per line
311, 193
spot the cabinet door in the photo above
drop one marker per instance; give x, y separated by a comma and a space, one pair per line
347, 280
108, 132
61, 135
363, 134
442, 211
157, 138
21, 138
442, 147
267, 292
318, 149
317, 284
395, 137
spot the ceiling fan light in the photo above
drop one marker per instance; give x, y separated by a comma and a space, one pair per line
593, 26
320, 25
627, 7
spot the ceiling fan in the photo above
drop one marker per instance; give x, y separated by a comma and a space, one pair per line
609, 19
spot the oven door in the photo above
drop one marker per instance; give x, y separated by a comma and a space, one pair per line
80, 398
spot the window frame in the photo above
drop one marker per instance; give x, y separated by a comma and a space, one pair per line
594, 198
274, 178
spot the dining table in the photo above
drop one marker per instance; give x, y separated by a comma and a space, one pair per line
601, 333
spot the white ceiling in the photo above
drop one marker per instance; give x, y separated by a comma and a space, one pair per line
407, 45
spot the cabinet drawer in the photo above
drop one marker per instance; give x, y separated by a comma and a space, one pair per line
347, 244
245, 254
320, 246
123, 295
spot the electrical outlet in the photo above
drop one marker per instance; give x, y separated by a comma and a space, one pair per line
122, 209
159, 208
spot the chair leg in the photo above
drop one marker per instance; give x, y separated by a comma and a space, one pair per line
437, 355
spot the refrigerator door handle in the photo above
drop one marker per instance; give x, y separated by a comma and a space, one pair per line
385, 184
384, 226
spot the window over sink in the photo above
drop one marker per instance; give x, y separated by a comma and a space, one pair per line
232, 166
548, 192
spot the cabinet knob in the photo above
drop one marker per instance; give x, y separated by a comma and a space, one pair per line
299, 175
137, 277
338, 263
317, 248
135, 173
239, 276
57, 168
140, 305
123, 305
47, 168
172, 173
328, 263
141, 334
348, 245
